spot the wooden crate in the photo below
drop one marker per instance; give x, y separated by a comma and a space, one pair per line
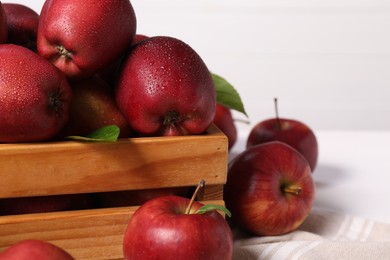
71, 167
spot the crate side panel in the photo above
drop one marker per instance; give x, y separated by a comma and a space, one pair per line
71, 167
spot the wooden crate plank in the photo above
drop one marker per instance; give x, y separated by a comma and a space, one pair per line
134, 163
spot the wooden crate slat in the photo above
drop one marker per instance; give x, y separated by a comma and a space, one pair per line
135, 163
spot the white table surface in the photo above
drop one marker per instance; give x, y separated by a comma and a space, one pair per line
353, 171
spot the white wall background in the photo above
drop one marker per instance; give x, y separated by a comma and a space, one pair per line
328, 61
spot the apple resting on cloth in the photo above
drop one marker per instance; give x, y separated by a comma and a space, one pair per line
269, 189
34, 96
34, 250
3, 25
82, 37
165, 89
161, 229
22, 24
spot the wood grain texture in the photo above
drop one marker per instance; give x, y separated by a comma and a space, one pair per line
129, 164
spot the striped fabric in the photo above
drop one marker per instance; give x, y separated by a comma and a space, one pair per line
324, 235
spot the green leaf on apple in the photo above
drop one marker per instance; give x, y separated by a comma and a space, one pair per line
211, 207
109, 133
227, 95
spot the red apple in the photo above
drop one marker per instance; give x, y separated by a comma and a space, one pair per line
34, 96
22, 23
3, 25
269, 189
224, 121
289, 131
83, 37
165, 88
160, 229
34, 250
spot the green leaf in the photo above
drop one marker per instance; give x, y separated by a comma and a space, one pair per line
109, 133
227, 95
211, 207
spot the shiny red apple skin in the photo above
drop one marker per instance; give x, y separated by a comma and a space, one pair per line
34, 96
32, 249
22, 24
254, 192
83, 37
223, 119
160, 230
292, 132
3, 25
165, 89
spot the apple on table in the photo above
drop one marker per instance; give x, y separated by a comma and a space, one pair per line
292, 132
269, 189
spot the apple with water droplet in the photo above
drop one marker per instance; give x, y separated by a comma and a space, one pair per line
165, 89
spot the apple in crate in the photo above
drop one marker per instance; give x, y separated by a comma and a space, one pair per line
165, 88
83, 37
223, 119
3, 25
34, 96
292, 132
34, 250
93, 107
22, 23
173, 227
269, 189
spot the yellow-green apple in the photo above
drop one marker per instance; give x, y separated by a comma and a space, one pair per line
22, 24
162, 229
292, 132
3, 25
93, 106
269, 189
82, 37
33, 249
165, 88
34, 96
224, 121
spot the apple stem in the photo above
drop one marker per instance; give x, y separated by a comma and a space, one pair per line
293, 190
200, 185
277, 113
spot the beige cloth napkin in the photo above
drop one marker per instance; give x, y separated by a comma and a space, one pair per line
324, 235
